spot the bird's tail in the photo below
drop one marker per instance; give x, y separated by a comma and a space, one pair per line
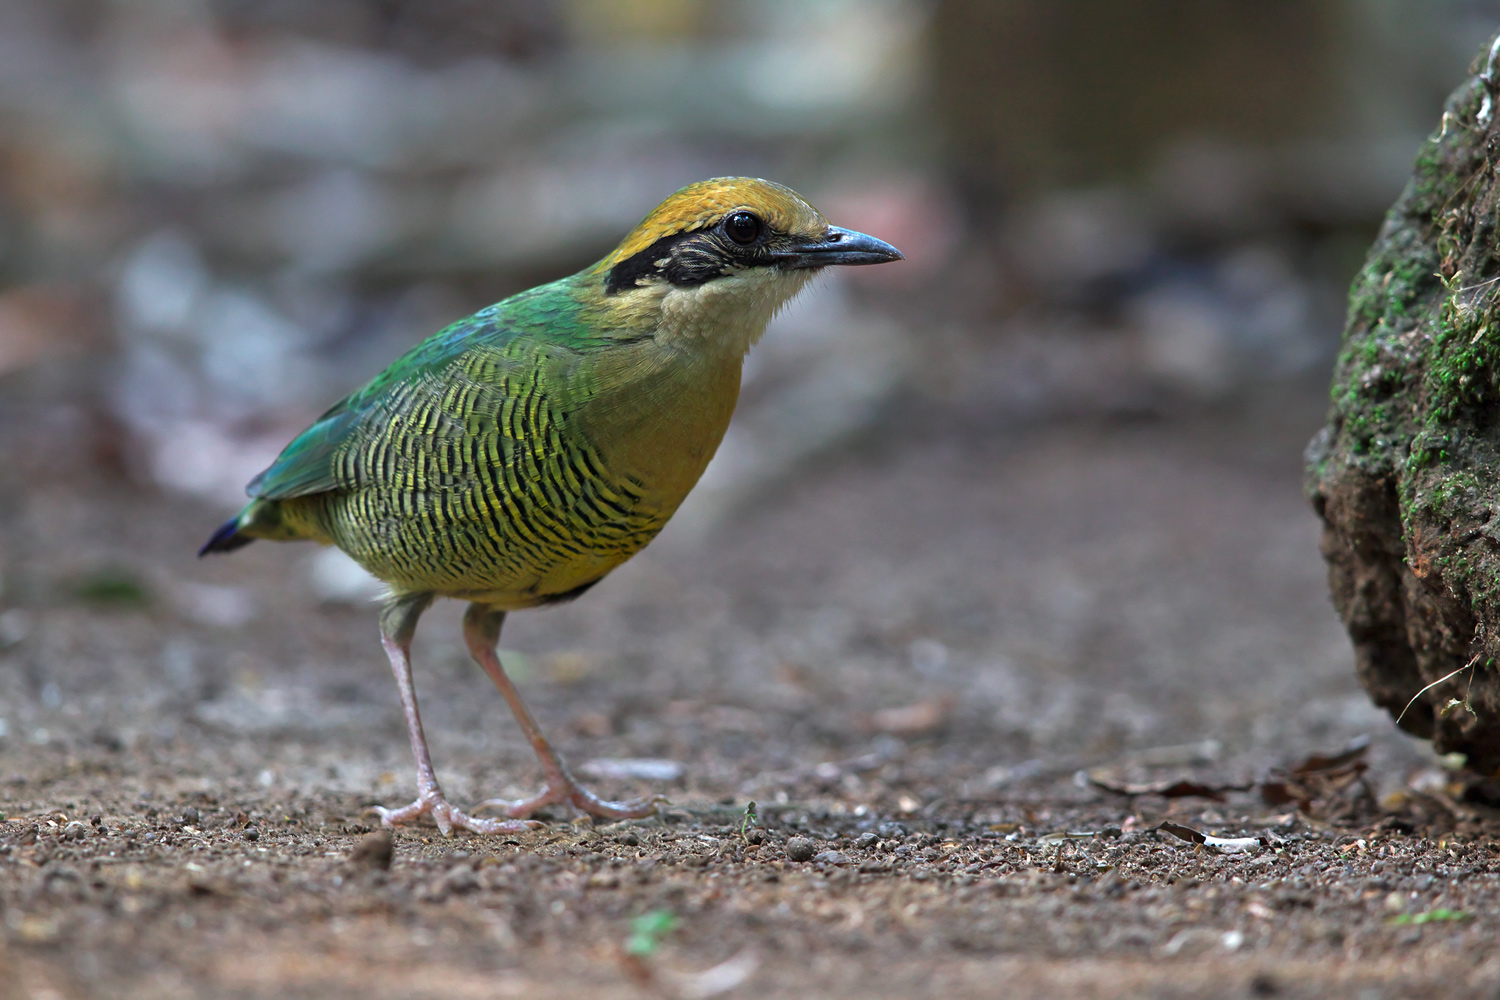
226, 539
278, 520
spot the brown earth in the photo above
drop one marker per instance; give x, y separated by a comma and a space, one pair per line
928, 659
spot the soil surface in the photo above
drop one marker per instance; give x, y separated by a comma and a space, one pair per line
965, 670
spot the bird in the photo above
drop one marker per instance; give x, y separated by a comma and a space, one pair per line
516, 457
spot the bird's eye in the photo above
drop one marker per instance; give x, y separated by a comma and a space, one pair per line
743, 228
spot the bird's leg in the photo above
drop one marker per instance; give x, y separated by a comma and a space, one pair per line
482, 633
398, 622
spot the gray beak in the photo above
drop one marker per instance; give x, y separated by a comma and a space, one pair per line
838, 246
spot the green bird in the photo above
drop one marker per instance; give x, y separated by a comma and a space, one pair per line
516, 457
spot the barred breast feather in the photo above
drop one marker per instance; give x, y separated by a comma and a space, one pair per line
511, 459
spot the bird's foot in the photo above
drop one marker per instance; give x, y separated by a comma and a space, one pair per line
565, 789
449, 817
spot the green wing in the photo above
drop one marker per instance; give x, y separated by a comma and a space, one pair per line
309, 464
306, 465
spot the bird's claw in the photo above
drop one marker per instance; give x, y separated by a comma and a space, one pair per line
565, 789
449, 817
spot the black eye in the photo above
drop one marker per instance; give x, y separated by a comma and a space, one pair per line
743, 228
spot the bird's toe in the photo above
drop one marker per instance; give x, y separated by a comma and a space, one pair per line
448, 818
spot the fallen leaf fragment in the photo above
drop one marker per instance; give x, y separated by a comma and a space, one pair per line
1224, 845
1169, 789
1355, 750
1320, 780
1179, 831
719, 979
913, 720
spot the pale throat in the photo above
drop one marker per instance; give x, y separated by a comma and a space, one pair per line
727, 315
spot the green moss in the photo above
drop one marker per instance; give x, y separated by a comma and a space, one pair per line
1387, 289
1448, 497
1415, 408
1463, 362
1417, 382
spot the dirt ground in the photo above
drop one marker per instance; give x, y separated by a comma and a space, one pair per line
958, 668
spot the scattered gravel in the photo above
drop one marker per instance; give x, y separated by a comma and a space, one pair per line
974, 857
800, 849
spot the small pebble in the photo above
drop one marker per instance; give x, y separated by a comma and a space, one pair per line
629, 839
461, 880
1263, 984
832, 858
800, 849
190, 816
865, 841
251, 833
374, 850
755, 837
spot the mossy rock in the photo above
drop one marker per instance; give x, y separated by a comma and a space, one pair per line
1406, 475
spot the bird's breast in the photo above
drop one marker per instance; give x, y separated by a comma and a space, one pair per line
657, 420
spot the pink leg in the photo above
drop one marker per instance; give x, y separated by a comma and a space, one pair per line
482, 633
398, 622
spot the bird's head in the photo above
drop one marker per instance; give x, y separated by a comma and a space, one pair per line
719, 257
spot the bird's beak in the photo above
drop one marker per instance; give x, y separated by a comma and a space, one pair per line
837, 246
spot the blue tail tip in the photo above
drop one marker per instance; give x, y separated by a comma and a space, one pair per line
226, 539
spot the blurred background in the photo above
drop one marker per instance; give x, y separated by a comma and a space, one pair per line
1036, 488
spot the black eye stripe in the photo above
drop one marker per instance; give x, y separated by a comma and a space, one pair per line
691, 257
655, 260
